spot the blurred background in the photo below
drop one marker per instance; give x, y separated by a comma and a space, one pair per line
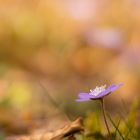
50, 50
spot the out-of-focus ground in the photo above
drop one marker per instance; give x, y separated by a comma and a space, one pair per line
52, 50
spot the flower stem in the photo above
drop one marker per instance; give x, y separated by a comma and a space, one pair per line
104, 116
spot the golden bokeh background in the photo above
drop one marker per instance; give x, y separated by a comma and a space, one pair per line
50, 50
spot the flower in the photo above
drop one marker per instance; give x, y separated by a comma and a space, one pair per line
97, 93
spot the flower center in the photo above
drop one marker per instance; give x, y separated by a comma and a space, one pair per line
97, 90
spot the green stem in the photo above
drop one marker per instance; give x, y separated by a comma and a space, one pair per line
104, 116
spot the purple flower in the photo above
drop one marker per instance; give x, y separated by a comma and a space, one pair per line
97, 93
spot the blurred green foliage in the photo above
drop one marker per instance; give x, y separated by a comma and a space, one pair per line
128, 127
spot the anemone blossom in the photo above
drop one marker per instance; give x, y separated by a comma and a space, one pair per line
97, 93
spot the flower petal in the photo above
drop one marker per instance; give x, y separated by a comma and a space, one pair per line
87, 97
109, 90
114, 87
